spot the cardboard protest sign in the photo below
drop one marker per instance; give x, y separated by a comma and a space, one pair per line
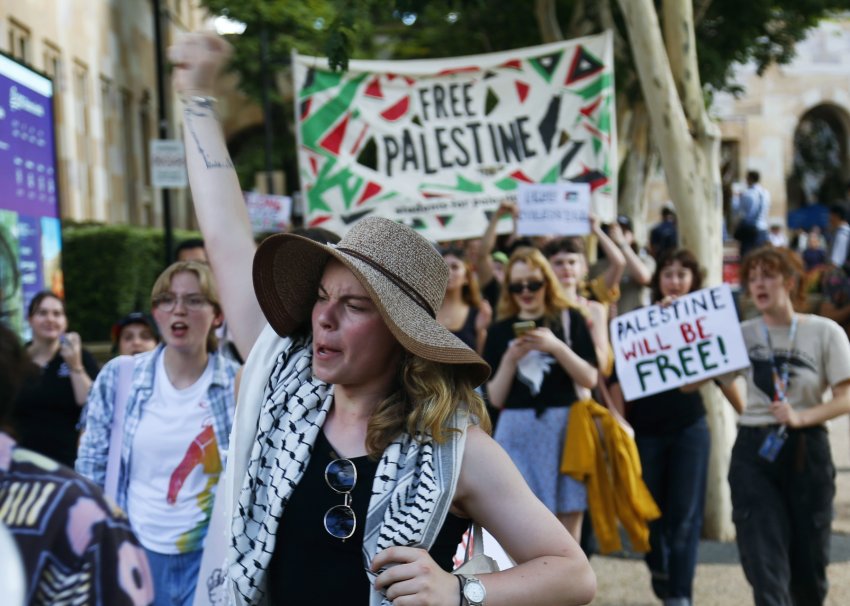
268, 213
696, 337
562, 209
439, 144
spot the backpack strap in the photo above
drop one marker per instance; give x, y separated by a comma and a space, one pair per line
116, 433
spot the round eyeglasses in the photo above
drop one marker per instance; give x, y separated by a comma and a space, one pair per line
168, 301
341, 476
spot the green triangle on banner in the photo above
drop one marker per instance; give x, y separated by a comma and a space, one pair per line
545, 65
594, 88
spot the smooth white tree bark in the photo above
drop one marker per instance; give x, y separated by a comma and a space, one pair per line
688, 142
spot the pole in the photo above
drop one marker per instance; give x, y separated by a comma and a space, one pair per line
267, 108
163, 124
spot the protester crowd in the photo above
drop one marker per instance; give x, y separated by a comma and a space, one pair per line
376, 369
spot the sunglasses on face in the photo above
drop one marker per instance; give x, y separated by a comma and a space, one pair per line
341, 476
517, 288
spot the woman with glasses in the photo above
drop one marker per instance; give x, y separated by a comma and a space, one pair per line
464, 312
538, 370
360, 452
48, 406
177, 417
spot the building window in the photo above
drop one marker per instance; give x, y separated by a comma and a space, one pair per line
19, 41
53, 67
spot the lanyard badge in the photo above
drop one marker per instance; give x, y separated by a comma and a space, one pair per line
774, 441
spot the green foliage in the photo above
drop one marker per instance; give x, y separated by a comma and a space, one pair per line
109, 271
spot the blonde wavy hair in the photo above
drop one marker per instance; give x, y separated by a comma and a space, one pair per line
427, 396
554, 299
205, 280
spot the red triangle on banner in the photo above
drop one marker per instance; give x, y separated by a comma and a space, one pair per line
512, 64
372, 189
319, 220
333, 141
521, 176
459, 70
374, 89
588, 111
522, 90
396, 111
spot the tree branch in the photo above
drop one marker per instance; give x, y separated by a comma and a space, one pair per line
547, 20
682, 50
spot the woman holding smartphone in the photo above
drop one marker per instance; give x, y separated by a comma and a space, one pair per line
538, 369
48, 405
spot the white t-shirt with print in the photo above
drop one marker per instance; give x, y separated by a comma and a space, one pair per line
174, 466
820, 358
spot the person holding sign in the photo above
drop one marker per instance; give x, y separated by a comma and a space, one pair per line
539, 370
672, 437
360, 451
781, 473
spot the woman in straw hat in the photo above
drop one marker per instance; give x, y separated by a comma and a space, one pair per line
359, 448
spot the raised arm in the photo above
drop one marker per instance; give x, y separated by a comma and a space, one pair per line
616, 260
216, 193
635, 267
483, 262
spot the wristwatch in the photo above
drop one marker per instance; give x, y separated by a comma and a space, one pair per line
473, 591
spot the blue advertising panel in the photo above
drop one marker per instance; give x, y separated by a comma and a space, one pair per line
29, 200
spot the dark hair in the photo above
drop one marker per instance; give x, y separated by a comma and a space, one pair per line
15, 367
450, 249
687, 259
188, 244
753, 175
134, 317
839, 211
317, 234
780, 260
41, 296
569, 244
667, 212
625, 222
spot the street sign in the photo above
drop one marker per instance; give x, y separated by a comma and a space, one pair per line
168, 164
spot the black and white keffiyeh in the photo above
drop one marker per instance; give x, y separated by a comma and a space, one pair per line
411, 494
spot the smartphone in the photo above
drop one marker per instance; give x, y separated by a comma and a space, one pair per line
520, 328
63, 340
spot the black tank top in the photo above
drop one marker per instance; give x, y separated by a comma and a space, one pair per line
309, 566
467, 332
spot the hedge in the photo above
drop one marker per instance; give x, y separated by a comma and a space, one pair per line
108, 272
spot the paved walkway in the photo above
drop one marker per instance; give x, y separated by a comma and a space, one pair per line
720, 579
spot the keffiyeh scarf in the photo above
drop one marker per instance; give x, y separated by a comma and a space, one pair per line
411, 494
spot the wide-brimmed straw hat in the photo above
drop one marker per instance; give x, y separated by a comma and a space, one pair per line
402, 273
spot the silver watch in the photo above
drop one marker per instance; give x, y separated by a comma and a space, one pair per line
473, 591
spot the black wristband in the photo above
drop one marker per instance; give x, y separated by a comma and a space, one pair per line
460, 582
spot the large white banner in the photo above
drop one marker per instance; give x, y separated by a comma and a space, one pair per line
438, 144
697, 337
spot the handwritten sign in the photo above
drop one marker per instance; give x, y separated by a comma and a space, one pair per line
561, 209
696, 337
268, 213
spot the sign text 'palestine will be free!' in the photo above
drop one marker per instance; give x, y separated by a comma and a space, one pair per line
439, 144
696, 337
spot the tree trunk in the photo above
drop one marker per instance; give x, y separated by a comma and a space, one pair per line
689, 145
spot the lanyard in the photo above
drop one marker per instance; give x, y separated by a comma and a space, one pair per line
780, 377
